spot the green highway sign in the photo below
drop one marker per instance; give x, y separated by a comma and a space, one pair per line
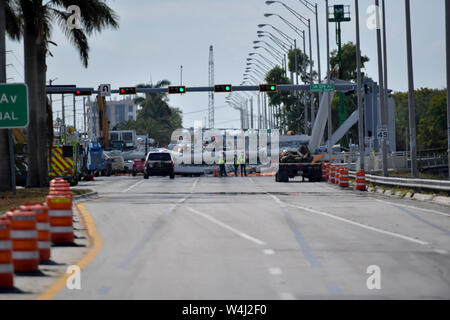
320, 87
13, 106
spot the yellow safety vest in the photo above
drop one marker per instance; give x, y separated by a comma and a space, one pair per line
221, 161
236, 161
243, 158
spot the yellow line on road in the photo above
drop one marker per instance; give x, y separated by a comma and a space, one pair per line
96, 243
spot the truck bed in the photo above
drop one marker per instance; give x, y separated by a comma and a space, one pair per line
311, 171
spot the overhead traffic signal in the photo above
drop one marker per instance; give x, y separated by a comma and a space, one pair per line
127, 90
223, 88
268, 88
177, 89
83, 92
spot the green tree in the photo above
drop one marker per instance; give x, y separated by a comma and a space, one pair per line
432, 129
302, 65
423, 99
36, 21
349, 72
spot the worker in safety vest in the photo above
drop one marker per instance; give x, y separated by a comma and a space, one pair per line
242, 161
236, 165
222, 171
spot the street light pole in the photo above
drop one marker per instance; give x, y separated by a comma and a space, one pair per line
362, 150
310, 74
381, 90
330, 146
411, 102
447, 44
385, 59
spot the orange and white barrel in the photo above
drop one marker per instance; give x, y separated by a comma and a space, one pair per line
6, 261
360, 183
24, 238
61, 217
331, 169
324, 171
337, 174
343, 180
43, 227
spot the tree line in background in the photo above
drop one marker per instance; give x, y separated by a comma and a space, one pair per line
289, 108
155, 117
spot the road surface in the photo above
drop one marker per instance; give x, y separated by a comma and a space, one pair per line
253, 238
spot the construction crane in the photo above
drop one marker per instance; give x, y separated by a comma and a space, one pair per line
211, 84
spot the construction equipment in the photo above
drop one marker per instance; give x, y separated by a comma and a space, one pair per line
298, 163
103, 122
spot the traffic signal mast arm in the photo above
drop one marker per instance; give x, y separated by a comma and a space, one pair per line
280, 87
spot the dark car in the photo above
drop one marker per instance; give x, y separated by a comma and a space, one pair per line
138, 166
159, 163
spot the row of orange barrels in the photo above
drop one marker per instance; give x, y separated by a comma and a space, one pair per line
27, 232
337, 174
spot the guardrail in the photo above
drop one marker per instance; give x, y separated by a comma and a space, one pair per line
434, 185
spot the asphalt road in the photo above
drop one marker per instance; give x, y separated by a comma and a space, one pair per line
253, 238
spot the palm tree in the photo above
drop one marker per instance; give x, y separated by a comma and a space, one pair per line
154, 105
36, 22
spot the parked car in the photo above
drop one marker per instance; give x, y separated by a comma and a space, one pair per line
118, 164
159, 163
128, 165
138, 166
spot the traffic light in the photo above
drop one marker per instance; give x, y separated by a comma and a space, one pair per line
83, 92
223, 88
177, 89
127, 90
268, 88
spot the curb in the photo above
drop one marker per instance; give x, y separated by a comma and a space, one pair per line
90, 195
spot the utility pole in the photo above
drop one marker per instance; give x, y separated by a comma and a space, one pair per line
63, 111
251, 113
362, 150
447, 44
318, 45
74, 114
304, 77
385, 59
259, 112
381, 90
411, 101
211, 83
84, 115
311, 100
330, 136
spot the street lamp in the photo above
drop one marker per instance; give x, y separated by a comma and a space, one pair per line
259, 61
265, 59
280, 60
270, 46
258, 66
307, 23
313, 8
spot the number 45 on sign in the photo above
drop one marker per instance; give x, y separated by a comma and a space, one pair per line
382, 132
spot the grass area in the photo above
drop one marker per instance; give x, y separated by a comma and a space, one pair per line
8, 200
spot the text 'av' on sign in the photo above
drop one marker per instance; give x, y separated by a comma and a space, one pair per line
13, 106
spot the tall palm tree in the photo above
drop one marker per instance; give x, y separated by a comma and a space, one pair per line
36, 23
7, 22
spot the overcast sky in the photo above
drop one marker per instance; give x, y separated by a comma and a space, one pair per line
157, 36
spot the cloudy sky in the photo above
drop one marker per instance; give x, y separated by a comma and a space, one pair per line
157, 36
